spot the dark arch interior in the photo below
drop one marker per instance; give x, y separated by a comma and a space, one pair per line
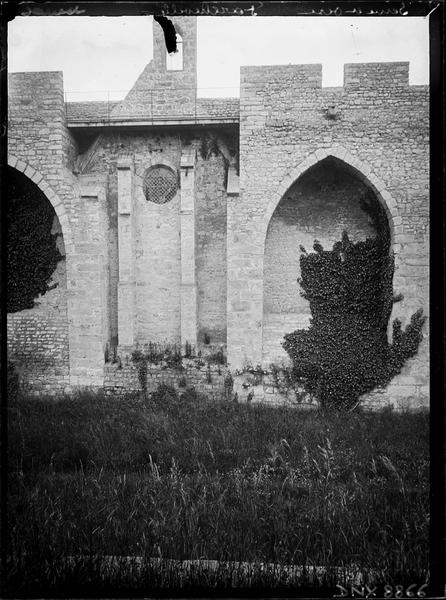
35, 243
326, 200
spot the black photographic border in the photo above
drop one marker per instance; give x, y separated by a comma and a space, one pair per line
431, 9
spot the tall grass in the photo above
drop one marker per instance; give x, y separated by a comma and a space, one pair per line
186, 478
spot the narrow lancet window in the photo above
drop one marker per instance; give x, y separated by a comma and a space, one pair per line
174, 60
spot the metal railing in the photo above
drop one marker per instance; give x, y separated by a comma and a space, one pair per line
152, 105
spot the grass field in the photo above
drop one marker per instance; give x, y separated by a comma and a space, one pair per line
186, 478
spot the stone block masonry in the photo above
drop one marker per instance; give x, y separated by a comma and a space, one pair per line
377, 126
217, 263
206, 379
41, 146
126, 284
178, 248
187, 225
210, 197
159, 92
38, 339
88, 292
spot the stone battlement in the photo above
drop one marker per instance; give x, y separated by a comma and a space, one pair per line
386, 75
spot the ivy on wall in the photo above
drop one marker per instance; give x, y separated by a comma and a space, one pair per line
32, 250
209, 146
345, 352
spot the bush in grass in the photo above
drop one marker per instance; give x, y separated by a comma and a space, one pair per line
345, 352
165, 396
190, 396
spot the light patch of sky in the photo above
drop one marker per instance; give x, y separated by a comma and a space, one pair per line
98, 54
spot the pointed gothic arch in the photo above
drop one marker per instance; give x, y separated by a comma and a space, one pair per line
291, 220
39, 336
360, 168
49, 193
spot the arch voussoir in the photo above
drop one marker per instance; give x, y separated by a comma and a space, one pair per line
37, 178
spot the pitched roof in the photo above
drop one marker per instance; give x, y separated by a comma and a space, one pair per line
204, 108
89, 111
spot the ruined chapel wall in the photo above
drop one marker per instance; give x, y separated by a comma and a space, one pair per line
156, 251
157, 236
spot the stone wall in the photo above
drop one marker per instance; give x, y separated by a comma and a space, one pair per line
159, 92
41, 146
156, 251
38, 336
38, 341
377, 124
204, 378
210, 258
39, 141
39, 138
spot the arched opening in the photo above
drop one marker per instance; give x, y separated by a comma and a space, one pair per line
174, 60
36, 286
329, 198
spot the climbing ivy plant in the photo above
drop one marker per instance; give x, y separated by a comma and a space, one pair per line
32, 250
345, 352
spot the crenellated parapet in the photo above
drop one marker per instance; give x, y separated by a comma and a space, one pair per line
376, 75
309, 76
375, 98
367, 77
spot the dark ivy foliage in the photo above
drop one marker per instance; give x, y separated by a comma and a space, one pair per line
209, 147
32, 251
345, 352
